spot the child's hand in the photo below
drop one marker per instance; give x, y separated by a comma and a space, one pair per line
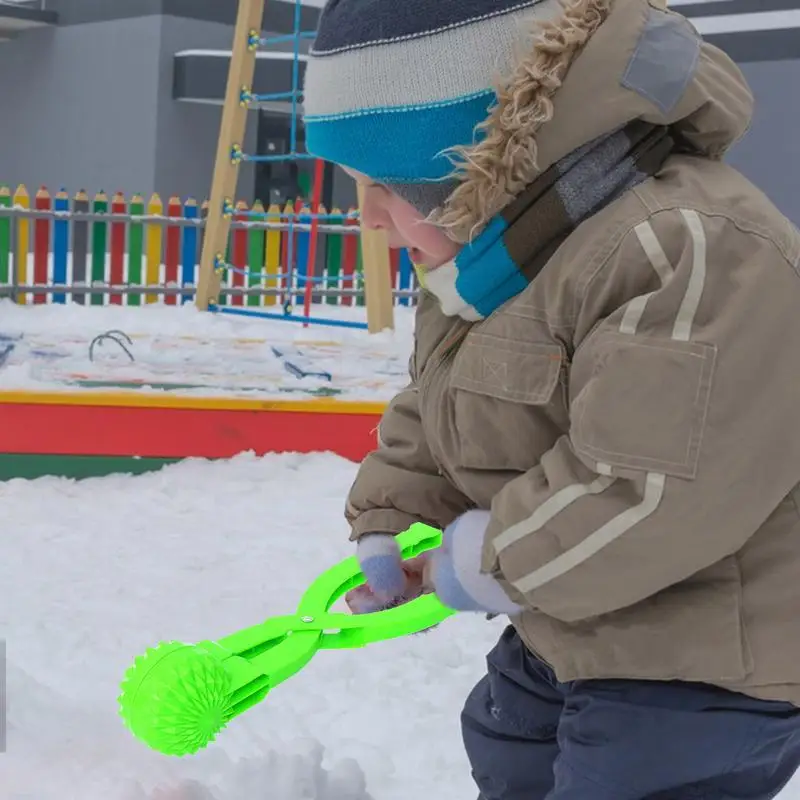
454, 570
382, 564
362, 600
390, 580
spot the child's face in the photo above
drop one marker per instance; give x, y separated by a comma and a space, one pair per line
427, 245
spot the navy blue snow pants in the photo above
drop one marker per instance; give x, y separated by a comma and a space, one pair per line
529, 737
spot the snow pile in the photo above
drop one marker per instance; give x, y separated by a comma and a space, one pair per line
94, 572
297, 775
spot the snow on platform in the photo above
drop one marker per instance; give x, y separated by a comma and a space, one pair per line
158, 348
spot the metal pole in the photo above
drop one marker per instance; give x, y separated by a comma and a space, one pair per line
183, 222
107, 289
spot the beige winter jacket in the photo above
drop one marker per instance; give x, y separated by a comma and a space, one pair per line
632, 419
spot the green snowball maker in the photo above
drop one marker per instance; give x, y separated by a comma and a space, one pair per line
177, 697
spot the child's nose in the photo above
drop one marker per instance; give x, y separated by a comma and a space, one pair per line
372, 216
371, 220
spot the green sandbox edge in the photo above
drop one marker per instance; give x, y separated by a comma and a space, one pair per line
30, 467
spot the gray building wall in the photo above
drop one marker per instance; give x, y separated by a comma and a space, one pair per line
187, 133
279, 13
768, 153
92, 109
79, 113
345, 194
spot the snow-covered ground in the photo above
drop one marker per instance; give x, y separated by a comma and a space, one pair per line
202, 353
92, 573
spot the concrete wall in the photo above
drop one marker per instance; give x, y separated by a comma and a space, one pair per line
279, 14
79, 112
768, 154
345, 194
92, 108
187, 132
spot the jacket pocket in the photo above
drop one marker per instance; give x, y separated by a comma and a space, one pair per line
644, 404
509, 401
692, 631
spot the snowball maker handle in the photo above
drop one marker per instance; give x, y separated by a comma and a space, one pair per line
177, 697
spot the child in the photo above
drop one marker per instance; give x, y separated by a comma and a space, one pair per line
605, 390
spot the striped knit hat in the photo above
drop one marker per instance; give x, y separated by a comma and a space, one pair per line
392, 84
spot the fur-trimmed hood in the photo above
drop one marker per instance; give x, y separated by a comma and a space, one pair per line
588, 72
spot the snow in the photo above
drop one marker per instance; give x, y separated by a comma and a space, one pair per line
219, 354
94, 572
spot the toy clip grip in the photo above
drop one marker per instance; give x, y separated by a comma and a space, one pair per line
346, 575
346, 630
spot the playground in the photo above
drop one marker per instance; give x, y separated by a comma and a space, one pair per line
187, 387
285, 328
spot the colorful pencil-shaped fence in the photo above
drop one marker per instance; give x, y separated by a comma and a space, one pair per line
64, 249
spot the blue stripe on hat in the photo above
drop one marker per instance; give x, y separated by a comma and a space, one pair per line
390, 146
487, 274
345, 25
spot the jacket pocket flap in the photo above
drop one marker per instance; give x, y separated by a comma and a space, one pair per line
507, 369
646, 406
